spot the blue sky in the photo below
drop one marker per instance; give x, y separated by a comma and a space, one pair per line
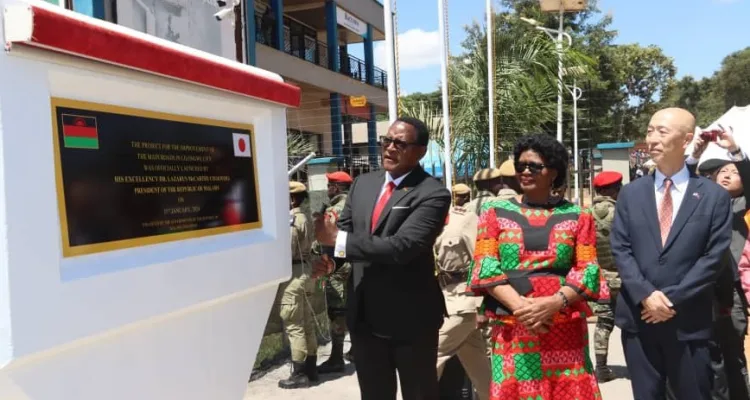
697, 34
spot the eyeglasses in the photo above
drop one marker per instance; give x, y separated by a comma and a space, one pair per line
386, 141
534, 168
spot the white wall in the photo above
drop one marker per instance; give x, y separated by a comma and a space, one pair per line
617, 160
180, 320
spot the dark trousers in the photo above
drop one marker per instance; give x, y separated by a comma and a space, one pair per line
730, 366
379, 359
652, 359
455, 384
728, 356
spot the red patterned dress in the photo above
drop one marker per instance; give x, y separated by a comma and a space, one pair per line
537, 250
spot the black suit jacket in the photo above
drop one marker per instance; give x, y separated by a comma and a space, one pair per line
686, 268
393, 290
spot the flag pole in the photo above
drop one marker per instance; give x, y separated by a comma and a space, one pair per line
491, 82
447, 169
390, 61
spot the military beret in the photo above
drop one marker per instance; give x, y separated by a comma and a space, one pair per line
461, 189
487, 174
507, 168
339, 177
297, 187
606, 178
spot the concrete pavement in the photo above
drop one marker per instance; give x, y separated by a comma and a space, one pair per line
344, 386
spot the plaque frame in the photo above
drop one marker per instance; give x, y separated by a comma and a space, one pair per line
73, 251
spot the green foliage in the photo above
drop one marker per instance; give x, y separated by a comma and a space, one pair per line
623, 84
711, 97
298, 145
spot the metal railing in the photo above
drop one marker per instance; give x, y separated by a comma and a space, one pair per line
354, 165
308, 48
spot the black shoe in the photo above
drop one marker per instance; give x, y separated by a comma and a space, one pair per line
604, 374
335, 362
298, 378
349, 356
333, 365
311, 368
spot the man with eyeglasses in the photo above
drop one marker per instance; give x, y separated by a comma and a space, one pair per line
670, 233
395, 307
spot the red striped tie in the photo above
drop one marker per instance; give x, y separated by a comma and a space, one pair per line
665, 211
381, 204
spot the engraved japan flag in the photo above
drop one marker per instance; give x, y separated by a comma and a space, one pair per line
241, 145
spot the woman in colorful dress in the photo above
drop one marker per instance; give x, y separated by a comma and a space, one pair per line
535, 264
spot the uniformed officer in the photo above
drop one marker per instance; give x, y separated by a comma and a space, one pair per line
460, 334
488, 184
607, 185
493, 184
461, 194
296, 309
511, 187
338, 189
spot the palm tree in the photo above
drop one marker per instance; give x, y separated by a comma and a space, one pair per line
297, 147
525, 92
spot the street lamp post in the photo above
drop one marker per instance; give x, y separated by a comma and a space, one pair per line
556, 35
576, 92
491, 81
390, 61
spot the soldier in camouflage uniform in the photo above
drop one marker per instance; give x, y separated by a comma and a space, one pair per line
607, 185
338, 189
296, 311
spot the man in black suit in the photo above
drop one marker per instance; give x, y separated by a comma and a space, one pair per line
386, 231
670, 232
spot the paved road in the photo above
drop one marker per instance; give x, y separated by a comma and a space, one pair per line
344, 386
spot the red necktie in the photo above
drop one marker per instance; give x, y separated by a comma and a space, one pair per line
665, 211
381, 204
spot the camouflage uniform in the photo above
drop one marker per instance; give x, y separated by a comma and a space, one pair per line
296, 311
336, 298
603, 210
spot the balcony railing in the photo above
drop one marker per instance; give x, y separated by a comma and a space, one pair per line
304, 45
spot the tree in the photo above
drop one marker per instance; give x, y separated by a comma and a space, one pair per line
433, 100
297, 146
733, 79
525, 89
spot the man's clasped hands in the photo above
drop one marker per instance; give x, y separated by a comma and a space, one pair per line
657, 308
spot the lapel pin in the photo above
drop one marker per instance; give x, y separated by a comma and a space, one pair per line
697, 195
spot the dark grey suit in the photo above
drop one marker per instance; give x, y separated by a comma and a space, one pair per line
395, 305
685, 269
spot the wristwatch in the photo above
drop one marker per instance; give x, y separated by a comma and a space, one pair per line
737, 155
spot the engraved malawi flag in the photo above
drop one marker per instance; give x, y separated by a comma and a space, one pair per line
80, 132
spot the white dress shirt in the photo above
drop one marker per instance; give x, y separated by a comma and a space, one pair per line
340, 250
678, 189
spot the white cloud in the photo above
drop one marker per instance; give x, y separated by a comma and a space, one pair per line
417, 49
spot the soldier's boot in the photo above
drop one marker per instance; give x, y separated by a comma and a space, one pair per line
298, 378
311, 368
349, 356
335, 362
603, 372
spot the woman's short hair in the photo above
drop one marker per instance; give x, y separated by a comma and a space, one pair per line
553, 154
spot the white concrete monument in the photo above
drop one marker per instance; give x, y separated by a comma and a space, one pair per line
144, 221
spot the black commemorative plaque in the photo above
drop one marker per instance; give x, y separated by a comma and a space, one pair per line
129, 177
